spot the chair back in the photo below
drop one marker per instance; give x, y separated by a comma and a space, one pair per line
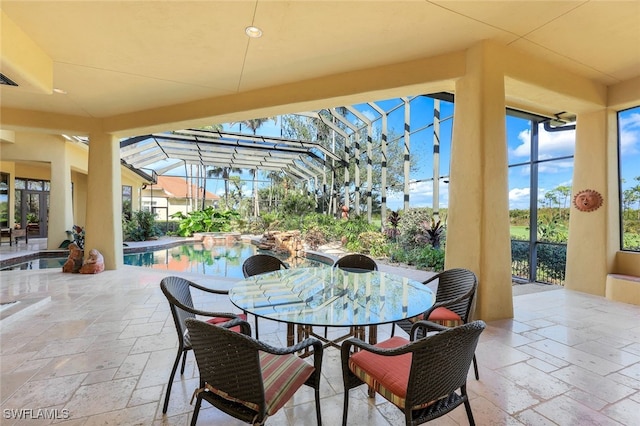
261, 263
454, 283
228, 361
356, 263
178, 294
440, 362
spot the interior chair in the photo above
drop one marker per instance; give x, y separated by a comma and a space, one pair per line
178, 292
356, 263
260, 264
246, 378
454, 300
425, 378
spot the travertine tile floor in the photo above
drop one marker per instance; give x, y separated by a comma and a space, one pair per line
101, 350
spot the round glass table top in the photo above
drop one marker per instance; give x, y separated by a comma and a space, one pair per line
326, 296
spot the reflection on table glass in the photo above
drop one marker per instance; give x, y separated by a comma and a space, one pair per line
326, 296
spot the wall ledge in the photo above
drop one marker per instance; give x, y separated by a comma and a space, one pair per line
623, 288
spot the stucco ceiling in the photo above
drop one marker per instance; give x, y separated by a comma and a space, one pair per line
114, 58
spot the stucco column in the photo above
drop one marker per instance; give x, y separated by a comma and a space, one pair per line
60, 199
104, 199
478, 215
588, 255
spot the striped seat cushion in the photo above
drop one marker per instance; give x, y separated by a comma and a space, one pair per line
388, 376
282, 376
442, 316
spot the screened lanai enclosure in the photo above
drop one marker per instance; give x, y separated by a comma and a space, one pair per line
373, 158
351, 156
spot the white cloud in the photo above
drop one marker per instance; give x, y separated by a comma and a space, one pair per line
630, 134
554, 167
524, 149
519, 198
550, 144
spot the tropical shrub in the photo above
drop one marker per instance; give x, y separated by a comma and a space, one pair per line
552, 260
374, 242
431, 233
393, 221
430, 258
551, 228
349, 230
75, 235
427, 257
411, 226
141, 227
297, 204
207, 220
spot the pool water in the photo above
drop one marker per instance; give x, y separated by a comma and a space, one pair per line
220, 261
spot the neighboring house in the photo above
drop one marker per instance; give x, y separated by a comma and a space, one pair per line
174, 194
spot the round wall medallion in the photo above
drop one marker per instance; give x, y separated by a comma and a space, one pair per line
587, 200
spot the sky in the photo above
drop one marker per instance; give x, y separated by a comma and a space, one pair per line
553, 146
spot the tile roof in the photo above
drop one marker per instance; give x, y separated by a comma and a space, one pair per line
177, 187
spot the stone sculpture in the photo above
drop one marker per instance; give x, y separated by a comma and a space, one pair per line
94, 263
74, 261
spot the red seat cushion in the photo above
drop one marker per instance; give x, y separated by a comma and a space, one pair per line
442, 316
445, 317
388, 376
220, 320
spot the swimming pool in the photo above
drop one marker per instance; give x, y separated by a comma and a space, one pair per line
220, 261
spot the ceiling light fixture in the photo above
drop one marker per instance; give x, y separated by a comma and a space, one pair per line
253, 32
60, 91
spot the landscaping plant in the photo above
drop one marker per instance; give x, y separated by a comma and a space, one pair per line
207, 220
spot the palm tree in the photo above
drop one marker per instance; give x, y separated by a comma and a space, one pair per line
254, 124
224, 173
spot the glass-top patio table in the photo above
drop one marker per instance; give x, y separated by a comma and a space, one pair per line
331, 297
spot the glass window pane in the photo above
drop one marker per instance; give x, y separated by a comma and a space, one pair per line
18, 207
629, 154
4, 210
556, 144
4, 183
518, 139
551, 264
127, 200
554, 200
34, 185
20, 183
519, 196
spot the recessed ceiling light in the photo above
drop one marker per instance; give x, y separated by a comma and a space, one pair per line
60, 91
253, 32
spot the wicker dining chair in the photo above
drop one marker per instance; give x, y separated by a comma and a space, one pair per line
246, 378
425, 378
454, 300
356, 263
178, 292
260, 264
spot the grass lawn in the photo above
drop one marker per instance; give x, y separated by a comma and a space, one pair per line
520, 232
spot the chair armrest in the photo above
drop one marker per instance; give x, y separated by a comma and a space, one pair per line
245, 328
204, 313
207, 289
317, 347
430, 279
425, 325
195, 311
